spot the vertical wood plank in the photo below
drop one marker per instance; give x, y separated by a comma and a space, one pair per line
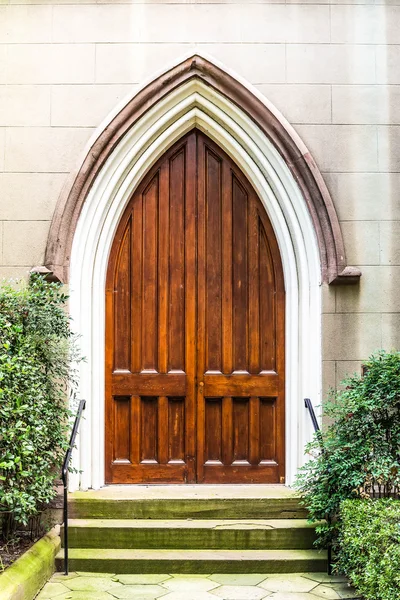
137, 283
122, 304
150, 278
163, 268
240, 278
256, 287
177, 200
267, 298
227, 338
213, 254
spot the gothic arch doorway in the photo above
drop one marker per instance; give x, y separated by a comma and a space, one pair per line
195, 340
198, 93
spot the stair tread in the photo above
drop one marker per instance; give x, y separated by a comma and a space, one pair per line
188, 492
230, 524
198, 555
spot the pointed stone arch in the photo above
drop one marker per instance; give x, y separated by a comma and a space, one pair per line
198, 94
274, 126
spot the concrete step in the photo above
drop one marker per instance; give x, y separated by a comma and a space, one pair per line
115, 560
205, 534
187, 502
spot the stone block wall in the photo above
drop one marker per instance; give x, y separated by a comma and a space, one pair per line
332, 68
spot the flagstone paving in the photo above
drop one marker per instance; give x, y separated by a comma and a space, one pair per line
102, 586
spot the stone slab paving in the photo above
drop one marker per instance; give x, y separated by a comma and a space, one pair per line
109, 586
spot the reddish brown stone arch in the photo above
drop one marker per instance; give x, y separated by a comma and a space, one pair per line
269, 120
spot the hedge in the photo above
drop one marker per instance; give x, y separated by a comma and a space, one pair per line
370, 547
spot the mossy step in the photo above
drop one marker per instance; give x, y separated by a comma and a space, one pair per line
184, 502
227, 533
114, 560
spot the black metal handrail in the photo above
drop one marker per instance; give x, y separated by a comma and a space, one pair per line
64, 476
317, 429
310, 408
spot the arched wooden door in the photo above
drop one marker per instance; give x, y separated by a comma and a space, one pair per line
195, 328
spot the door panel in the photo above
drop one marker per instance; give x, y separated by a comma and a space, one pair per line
195, 328
150, 296
240, 363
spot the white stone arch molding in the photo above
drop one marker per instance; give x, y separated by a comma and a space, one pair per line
89, 211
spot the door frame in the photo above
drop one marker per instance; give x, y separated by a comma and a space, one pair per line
195, 104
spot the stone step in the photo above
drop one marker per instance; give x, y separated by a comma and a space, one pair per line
187, 502
205, 534
116, 560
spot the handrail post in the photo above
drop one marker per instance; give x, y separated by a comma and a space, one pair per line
309, 406
66, 525
64, 476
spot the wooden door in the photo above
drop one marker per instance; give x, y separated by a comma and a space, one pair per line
195, 328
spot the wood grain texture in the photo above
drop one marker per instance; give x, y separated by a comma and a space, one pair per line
195, 328
241, 331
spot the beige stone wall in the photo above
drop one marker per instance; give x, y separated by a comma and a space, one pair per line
333, 69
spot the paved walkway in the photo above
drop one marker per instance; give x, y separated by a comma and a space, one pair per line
100, 586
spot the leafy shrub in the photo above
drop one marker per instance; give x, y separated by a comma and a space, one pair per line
370, 547
36, 353
361, 445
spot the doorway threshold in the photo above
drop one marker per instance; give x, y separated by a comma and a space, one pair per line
188, 492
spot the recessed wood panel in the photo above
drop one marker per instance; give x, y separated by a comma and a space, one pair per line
195, 328
122, 418
176, 429
241, 439
213, 426
148, 430
268, 429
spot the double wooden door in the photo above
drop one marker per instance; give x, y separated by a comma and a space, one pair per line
195, 328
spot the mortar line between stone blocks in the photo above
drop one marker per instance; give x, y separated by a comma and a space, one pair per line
128, 42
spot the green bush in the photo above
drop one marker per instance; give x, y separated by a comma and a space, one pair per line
36, 355
370, 547
361, 445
